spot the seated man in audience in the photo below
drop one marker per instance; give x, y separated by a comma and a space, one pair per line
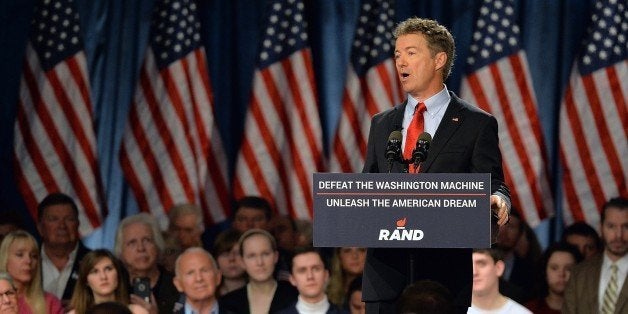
584, 237
61, 249
309, 274
138, 245
488, 266
251, 212
186, 224
197, 276
599, 285
425, 296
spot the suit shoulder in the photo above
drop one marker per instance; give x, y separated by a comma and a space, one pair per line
388, 113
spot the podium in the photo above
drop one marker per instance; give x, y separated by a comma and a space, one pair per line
400, 210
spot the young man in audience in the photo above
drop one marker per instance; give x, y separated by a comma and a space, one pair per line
197, 276
598, 285
488, 266
61, 248
310, 274
584, 237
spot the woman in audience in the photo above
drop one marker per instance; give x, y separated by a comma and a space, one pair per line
8, 294
554, 272
102, 278
227, 253
346, 265
19, 256
263, 294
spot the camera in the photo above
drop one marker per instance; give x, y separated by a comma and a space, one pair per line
141, 288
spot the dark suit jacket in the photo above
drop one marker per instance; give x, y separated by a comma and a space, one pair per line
333, 309
237, 301
465, 142
581, 294
69, 287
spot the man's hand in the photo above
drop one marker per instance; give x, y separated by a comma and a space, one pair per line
499, 208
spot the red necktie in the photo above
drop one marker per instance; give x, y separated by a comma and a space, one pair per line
414, 129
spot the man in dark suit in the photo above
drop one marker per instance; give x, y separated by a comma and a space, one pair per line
464, 140
599, 285
61, 249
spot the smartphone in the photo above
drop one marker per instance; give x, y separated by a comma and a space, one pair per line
141, 288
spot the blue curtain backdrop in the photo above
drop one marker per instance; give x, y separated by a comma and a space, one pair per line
115, 34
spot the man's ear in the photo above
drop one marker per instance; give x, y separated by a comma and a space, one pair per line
500, 266
177, 284
292, 280
440, 59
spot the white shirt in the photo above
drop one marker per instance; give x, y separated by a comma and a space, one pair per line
436, 107
187, 309
511, 307
55, 280
319, 307
605, 276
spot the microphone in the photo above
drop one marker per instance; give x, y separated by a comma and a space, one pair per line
419, 154
393, 147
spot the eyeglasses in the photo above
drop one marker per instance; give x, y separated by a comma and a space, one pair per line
9, 294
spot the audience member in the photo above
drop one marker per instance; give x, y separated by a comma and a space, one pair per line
19, 256
304, 232
356, 305
251, 212
172, 249
528, 246
598, 285
138, 245
284, 230
346, 264
227, 254
8, 294
584, 237
186, 224
488, 266
554, 272
197, 277
61, 249
263, 294
11, 221
102, 278
310, 274
517, 269
109, 308
425, 297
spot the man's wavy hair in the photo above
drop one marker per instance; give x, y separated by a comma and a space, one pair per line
439, 39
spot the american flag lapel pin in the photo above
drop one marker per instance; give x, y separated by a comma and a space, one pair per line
455, 119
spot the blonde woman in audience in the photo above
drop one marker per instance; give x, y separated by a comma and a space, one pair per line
102, 278
346, 265
19, 256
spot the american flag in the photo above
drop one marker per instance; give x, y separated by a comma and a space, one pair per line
171, 151
594, 117
282, 144
498, 81
371, 86
55, 142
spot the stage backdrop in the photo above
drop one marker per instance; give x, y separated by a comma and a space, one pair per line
115, 36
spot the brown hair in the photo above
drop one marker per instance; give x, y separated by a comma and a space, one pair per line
438, 38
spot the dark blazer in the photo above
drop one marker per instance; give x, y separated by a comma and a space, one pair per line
466, 141
237, 301
333, 309
581, 294
69, 287
180, 308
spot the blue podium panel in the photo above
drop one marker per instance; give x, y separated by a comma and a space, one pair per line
426, 210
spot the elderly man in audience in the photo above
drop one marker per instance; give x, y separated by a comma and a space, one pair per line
186, 224
197, 276
138, 245
61, 249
